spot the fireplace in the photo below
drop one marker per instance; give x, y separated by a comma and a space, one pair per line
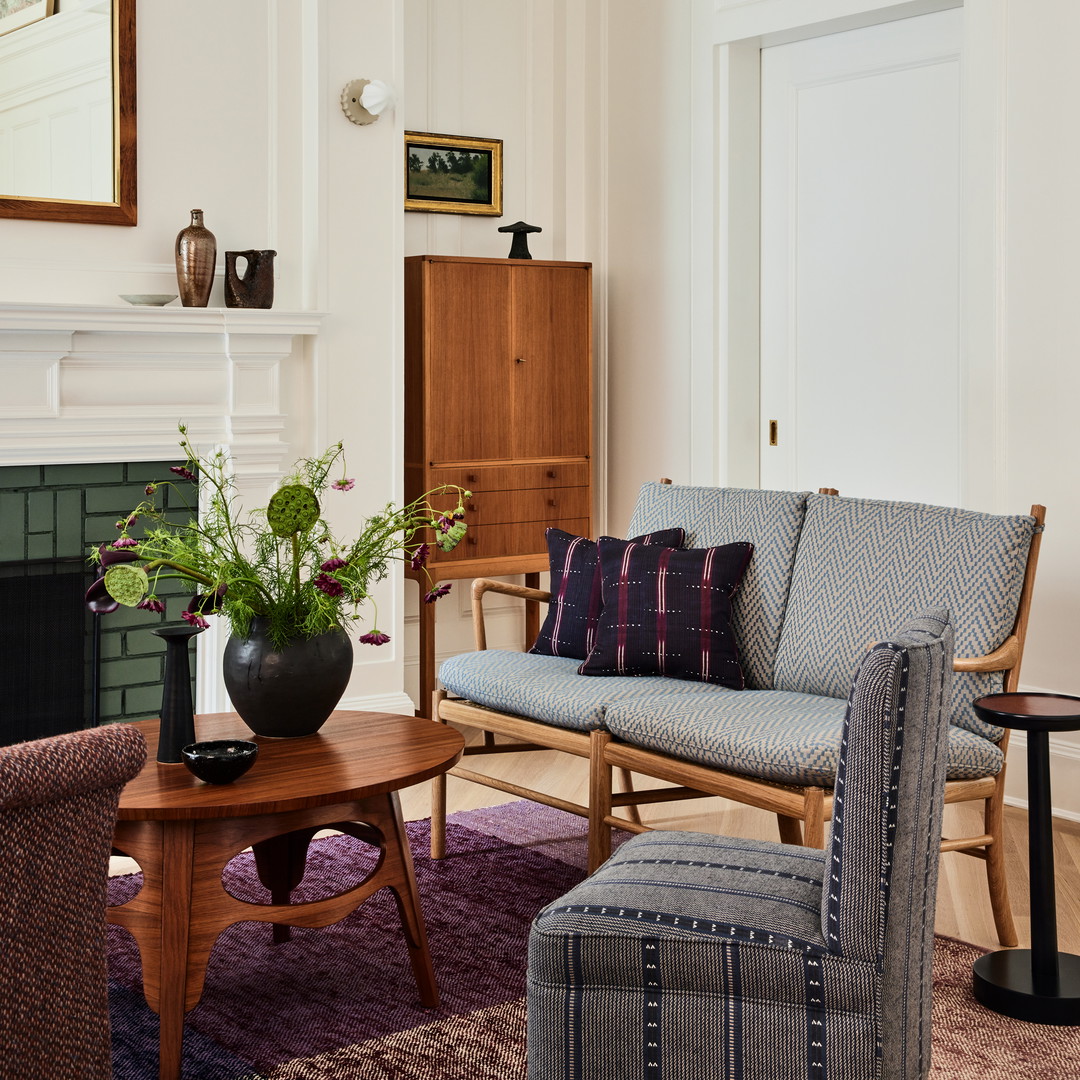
90, 385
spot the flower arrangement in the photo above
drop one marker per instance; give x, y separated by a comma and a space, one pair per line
280, 563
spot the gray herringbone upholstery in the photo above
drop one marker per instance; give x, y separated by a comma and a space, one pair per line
58, 800
710, 517
688, 955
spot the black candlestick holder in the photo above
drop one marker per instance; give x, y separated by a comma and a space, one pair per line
177, 728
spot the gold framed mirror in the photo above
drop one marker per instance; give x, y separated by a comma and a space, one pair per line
73, 190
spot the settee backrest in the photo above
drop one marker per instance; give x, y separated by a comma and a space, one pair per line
711, 516
864, 566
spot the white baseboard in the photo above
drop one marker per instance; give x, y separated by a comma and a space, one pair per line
1064, 776
391, 703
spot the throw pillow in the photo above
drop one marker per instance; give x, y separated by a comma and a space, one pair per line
576, 599
668, 612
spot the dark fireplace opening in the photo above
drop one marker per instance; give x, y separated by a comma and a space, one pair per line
62, 668
50, 677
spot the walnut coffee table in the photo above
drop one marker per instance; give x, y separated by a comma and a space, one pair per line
182, 832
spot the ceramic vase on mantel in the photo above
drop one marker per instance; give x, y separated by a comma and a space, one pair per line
290, 692
196, 256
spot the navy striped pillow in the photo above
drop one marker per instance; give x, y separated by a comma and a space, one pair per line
576, 598
668, 612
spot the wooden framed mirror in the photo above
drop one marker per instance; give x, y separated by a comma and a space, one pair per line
67, 115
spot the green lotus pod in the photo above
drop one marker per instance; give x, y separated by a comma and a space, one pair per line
292, 509
127, 584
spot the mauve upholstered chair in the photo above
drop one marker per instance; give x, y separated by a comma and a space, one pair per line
693, 955
58, 799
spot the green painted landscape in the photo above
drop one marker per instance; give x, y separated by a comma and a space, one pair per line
459, 177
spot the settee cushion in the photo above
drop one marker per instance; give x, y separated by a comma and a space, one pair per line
864, 565
549, 688
770, 520
668, 612
778, 735
576, 598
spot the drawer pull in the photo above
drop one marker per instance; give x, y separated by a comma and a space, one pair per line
551, 502
472, 539
471, 478
519, 359
551, 474
471, 508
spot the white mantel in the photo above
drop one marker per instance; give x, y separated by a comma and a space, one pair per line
93, 384
83, 384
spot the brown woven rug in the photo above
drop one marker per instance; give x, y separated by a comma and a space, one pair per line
339, 1003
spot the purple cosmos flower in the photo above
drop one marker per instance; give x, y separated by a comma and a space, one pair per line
150, 489
329, 585
151, 603
420, 557
436, 593
374, 637
344, 484
125, 542
194, 619
459, 515
333, 564
444, 523
182, 471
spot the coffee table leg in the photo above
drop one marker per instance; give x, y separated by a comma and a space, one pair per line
178, 845
398, 874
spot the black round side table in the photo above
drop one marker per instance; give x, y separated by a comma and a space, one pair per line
1038, 984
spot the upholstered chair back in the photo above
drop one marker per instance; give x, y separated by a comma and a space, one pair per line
881, 863
771, 521
58, 800
864, 565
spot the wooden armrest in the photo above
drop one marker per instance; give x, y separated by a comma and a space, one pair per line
1001, 659
506, 588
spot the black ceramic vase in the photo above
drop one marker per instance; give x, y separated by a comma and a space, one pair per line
196, 257
177, 728
288, 693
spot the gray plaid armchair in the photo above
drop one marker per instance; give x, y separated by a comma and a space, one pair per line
58, 800
692, 955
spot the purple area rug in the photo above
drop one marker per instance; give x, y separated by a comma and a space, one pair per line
340, 1003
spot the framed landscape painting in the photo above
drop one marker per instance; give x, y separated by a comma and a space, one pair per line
453, 174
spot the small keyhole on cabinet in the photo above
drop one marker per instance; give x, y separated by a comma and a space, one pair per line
774, 433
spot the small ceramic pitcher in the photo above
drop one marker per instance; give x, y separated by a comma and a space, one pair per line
255, 288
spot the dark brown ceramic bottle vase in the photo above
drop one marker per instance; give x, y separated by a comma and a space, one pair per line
196, 253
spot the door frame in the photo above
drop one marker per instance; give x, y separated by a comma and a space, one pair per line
725, 254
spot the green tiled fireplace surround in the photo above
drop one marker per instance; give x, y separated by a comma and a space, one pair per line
60, 511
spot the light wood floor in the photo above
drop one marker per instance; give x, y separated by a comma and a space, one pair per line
963, 907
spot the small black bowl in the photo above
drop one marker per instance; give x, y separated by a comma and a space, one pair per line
220, 761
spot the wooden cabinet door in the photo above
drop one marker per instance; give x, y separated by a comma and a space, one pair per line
550, 335
468, 366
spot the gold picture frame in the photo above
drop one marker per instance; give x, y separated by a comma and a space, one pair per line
453, 174
15, 14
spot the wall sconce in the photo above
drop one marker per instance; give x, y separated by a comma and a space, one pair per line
364, 100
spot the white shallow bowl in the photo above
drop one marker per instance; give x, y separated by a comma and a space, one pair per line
152, 299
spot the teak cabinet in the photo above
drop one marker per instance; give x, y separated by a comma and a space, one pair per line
498, 399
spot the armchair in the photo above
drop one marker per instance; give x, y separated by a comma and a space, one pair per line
689, 954
58, 799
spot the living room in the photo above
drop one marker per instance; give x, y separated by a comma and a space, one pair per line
623, 131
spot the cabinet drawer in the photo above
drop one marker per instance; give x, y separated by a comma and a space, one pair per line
518, 538
537, 504
513, 477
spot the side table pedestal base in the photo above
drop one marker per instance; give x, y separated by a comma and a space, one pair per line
1002, 981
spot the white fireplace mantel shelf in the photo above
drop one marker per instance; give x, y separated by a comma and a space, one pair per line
88, 384
172, 319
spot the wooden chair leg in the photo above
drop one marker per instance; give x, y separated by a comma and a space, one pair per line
814, 819
599, 800
438, 793
632, 811
994, 818
790, 829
